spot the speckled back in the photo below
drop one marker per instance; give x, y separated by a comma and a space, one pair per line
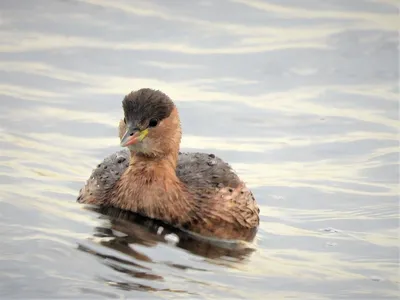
104, 177
205, 170
197, 170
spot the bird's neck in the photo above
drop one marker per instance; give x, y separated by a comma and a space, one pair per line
150, 186
165, 163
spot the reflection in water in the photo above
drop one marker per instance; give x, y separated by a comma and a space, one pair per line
126, 230
301, 98
148, 232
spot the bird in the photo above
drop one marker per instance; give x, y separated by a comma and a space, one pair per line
192, 191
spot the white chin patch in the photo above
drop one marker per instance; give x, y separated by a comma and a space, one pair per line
141, 147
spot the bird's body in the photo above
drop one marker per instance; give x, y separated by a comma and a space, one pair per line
194, 191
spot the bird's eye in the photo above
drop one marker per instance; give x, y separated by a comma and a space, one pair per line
125, 120
153, 123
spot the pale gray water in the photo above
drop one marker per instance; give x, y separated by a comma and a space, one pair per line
300, 96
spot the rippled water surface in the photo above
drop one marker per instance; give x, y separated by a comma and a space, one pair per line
300, 96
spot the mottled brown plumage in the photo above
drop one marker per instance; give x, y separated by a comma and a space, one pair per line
193, 191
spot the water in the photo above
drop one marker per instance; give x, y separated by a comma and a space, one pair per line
301, 98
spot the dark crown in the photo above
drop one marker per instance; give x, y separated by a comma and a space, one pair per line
145, 104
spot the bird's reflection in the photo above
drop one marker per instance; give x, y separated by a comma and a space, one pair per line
125, 229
